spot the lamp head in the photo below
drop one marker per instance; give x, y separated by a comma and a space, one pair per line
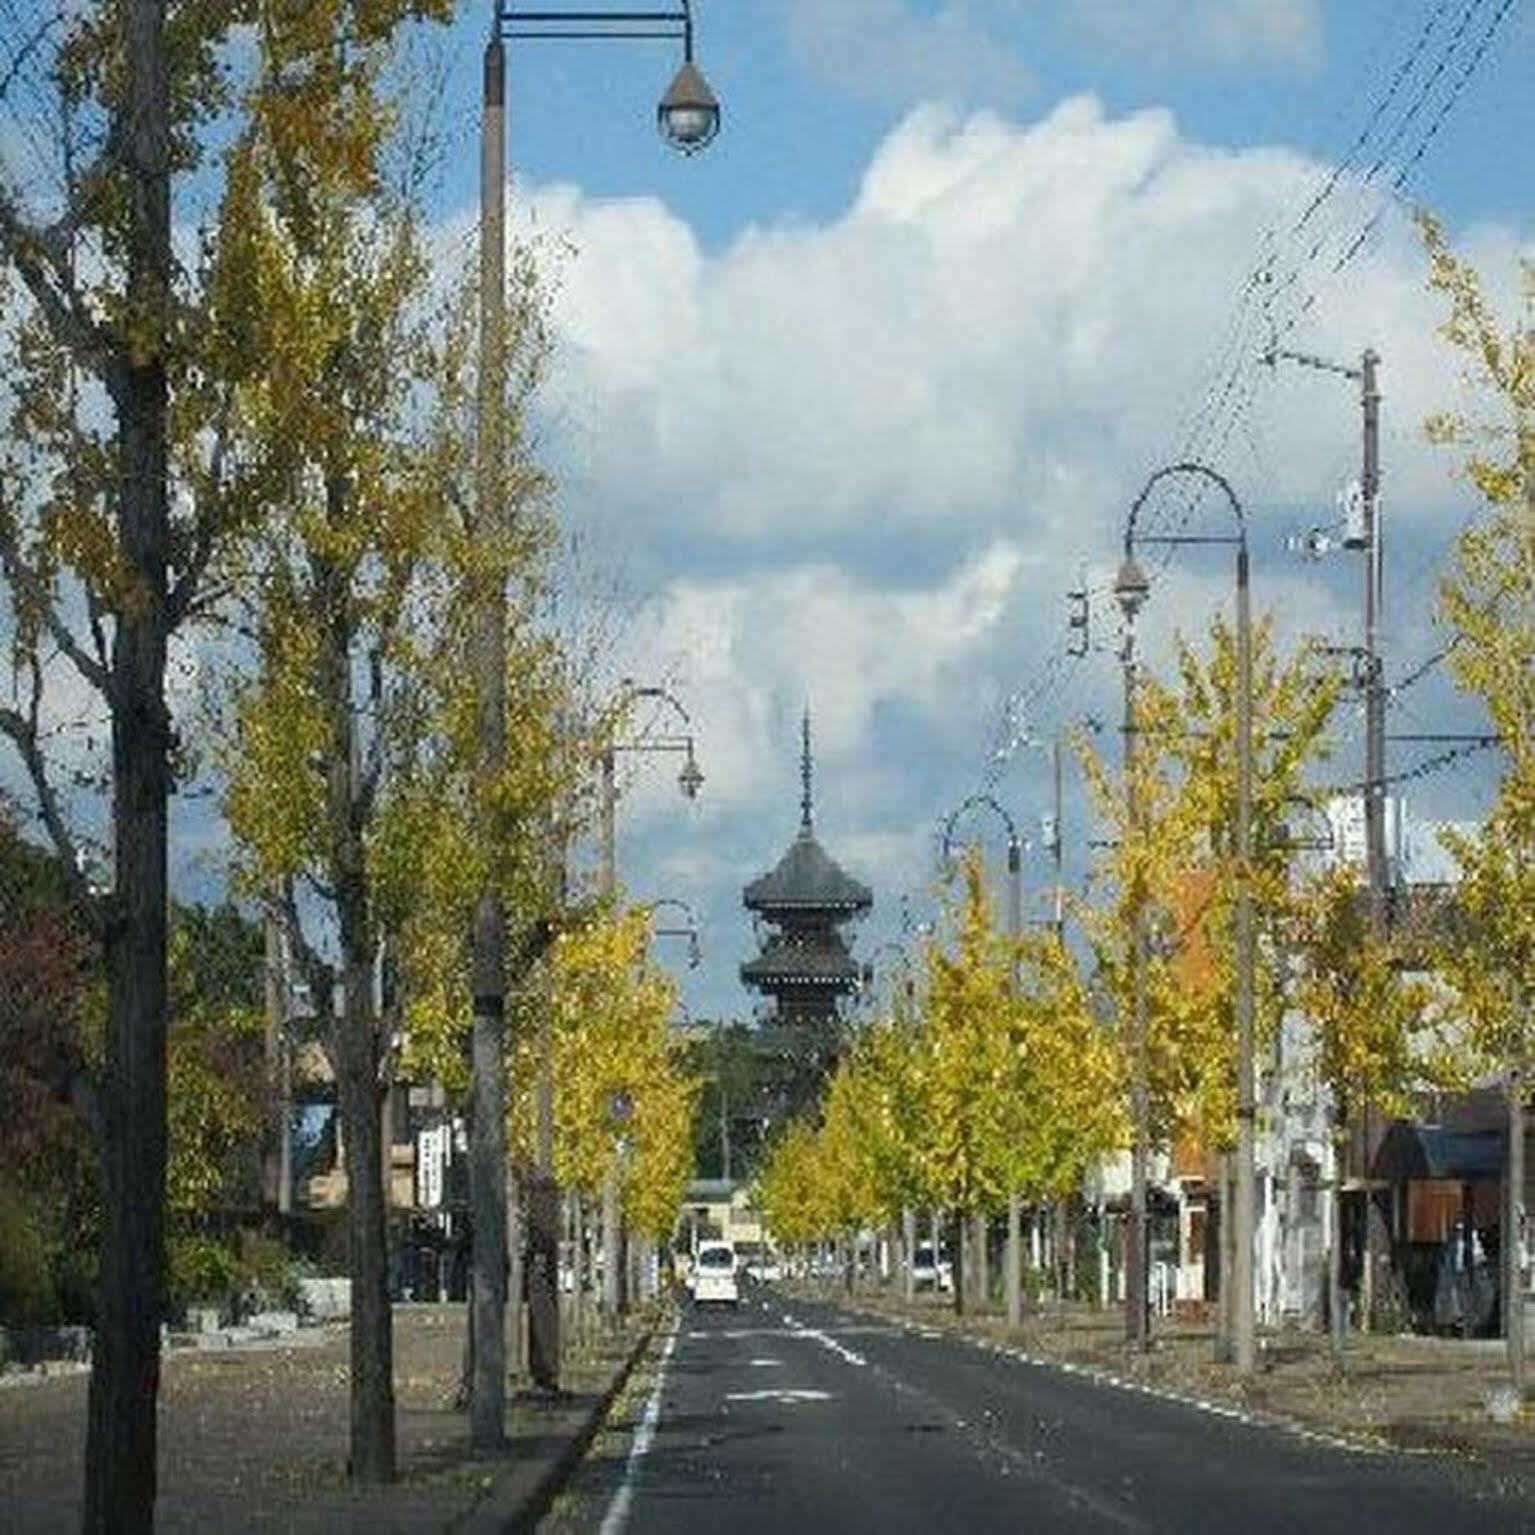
1131, 588
688, 115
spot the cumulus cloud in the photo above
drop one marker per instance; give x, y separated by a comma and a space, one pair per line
1281, 34
859, 461
891, 51
1000, 331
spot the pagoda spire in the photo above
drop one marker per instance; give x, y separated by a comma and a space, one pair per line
806, 803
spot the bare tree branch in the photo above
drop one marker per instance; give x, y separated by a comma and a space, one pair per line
22, 575
23, 55
23, 732
44, 267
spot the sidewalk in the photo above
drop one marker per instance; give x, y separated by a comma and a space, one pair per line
256, 1439
1412, 1393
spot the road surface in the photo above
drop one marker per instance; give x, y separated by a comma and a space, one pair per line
799, 1417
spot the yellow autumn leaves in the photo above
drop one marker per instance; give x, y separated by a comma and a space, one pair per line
624, 1100
1007, 1082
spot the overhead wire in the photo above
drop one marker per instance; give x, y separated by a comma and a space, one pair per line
1227, 403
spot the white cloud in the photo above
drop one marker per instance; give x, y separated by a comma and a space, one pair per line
860, 461
748, 654
1284, 34
891, 51
1002, 331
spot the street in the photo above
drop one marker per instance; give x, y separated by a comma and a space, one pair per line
796, 1416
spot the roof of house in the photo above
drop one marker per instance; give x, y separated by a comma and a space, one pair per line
1431, 1151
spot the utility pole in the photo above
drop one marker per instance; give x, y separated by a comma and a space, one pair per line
1368, 538
1131, 588
607, 893
1242, 1314
1057, 844
487, 1113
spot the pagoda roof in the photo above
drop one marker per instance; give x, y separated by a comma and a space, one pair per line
790, 964
807, 878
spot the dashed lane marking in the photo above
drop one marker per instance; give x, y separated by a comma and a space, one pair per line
789, 1396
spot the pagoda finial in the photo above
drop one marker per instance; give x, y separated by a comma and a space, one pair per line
806, 819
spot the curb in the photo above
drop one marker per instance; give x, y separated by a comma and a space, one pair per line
515, 1504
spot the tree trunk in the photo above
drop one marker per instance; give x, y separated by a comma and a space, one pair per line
359, 1057
372, 1456
612, 1278
121, 1437
516, 1207
1068, 1250
1337, 1301
1227, 1238
1014, 1262
982, 1265
909, 1254
1513, 1243
543, 1203
960, 1263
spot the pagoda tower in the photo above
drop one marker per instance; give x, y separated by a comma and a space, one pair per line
804, 965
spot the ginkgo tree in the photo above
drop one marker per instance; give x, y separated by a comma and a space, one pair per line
122, 504
1488, 599
356, 587
1171, 871
1373, 1027
623, 1100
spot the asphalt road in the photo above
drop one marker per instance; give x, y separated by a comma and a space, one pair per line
788, 1416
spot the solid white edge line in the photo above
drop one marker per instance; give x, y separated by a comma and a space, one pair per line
617, 1515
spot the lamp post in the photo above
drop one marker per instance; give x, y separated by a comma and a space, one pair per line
689, 781
1013, 1265
1132, 589
688, 117
1014, 855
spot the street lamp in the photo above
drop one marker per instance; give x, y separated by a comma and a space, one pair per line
688, 114
1132, 589
690, 780
689, 931
1013, 1281
689, 118
1014, 852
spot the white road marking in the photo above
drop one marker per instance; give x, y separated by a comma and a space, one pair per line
799, 1330
617, 1515
793, 1394
845, 1354
762, 1364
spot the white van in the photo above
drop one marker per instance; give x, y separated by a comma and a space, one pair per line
714, 1275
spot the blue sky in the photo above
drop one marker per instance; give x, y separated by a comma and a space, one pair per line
840, 408
847, 401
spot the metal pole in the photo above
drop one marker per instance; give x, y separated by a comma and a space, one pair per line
487, 1122
1057, 850
607, 890
1375, 693
1375, 760
607, 868
276, 1179
1015, 900
1137, 1329
1246, 1173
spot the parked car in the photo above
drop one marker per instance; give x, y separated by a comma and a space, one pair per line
930, 1270
714, 1279
758, 1262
